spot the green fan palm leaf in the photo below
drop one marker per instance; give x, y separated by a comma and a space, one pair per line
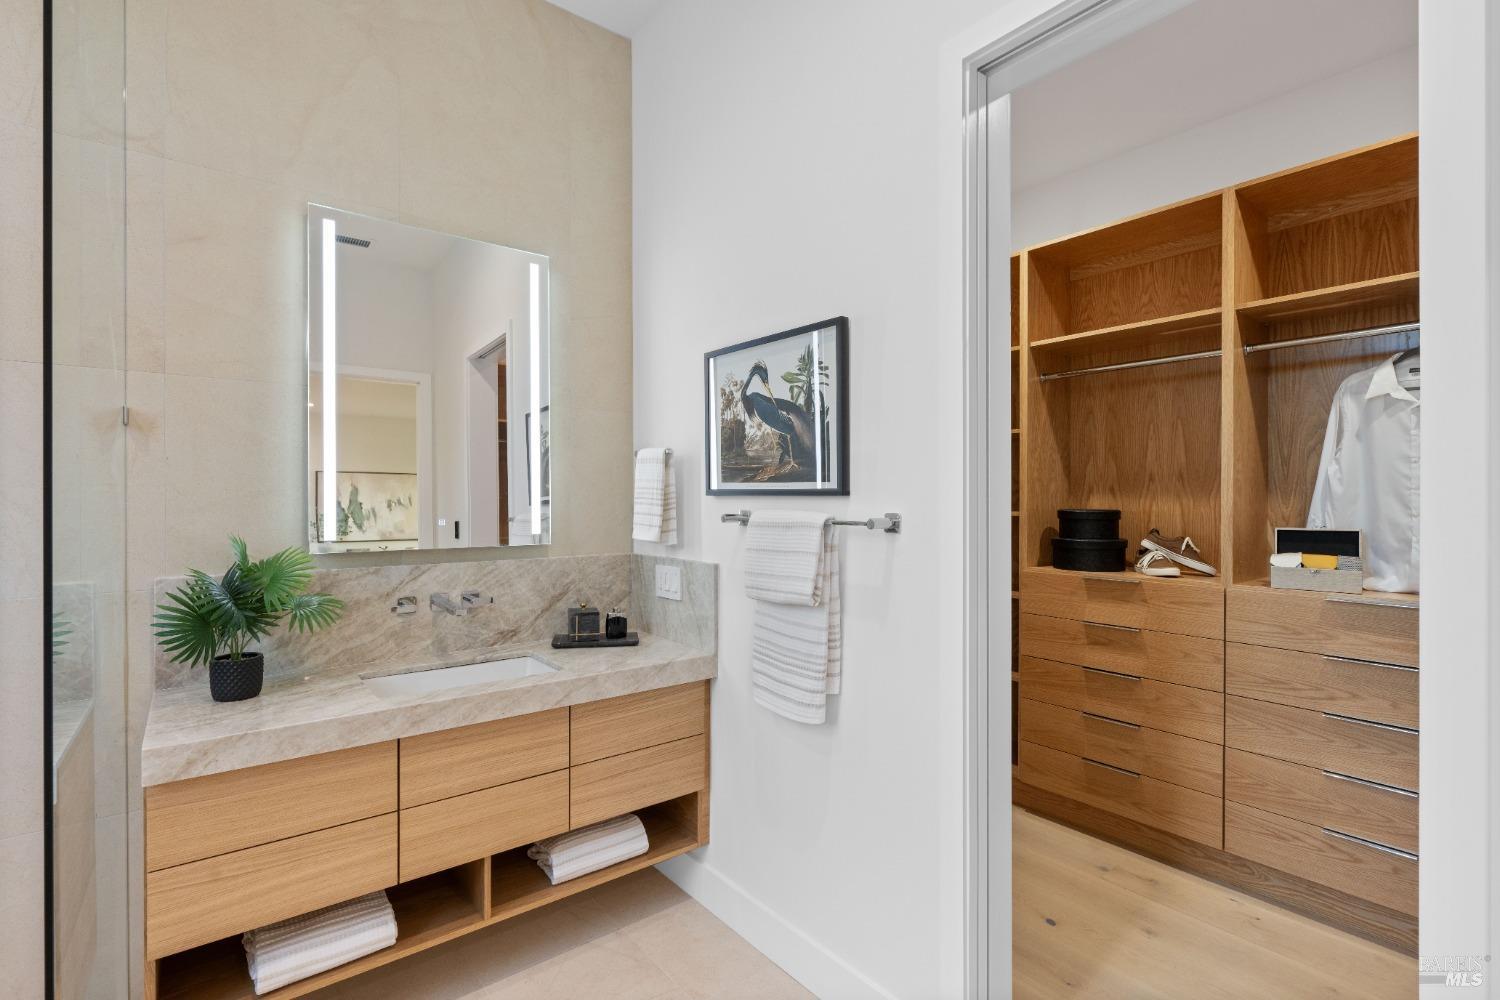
207, 617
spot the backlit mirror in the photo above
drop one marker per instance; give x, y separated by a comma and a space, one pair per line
428, 402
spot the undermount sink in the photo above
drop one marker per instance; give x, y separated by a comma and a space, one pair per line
467, 675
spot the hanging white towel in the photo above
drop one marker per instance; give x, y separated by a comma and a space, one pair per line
292, 950
796, 637
569, 855
655, 497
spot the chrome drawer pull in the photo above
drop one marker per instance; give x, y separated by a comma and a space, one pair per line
1377, 785
1110, 767
1112, 722
1370, 602
1366, 722
1112, 673
1115, 579
1117, 628
1367, 663
1395, 851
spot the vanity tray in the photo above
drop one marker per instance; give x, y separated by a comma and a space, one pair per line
564, 641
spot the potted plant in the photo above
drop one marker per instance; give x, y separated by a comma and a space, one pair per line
209, 621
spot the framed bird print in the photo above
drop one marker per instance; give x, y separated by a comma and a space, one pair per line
778, 413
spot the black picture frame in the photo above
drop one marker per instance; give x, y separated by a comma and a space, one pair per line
714, 376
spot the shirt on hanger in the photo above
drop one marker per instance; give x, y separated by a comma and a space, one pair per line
1368, 476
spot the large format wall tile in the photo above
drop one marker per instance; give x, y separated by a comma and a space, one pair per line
20, 239
20, 480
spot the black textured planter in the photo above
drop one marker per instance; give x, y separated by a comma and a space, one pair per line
236, 680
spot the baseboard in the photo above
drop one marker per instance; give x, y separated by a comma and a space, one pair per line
1385, 927
803, 958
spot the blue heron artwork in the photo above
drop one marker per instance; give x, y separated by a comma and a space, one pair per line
777, 411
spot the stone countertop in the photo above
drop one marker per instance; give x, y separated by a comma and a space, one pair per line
189, 735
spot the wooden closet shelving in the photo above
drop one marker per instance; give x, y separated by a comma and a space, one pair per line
1213, 721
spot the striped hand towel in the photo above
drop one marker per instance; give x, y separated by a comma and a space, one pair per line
292, 950
655, 497
796, 647
784, 556
569, 855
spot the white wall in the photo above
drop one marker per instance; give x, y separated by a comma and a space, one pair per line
788, 169
1363, 105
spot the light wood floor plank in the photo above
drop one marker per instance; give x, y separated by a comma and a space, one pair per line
1093, 920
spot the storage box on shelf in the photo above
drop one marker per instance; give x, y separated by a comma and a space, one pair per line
1314, 712
233, 851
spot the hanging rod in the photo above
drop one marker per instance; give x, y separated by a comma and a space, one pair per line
1275, 345
888, 523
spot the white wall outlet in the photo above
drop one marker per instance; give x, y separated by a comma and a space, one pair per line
669, 582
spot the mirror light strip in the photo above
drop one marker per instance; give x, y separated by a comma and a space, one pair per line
535, 444
330, 383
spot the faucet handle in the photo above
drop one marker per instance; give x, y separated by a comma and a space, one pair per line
406, 605
473, 599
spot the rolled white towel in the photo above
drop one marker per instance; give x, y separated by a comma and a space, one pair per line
578, 852
292, 950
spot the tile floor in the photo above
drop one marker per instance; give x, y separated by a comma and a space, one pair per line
639, 938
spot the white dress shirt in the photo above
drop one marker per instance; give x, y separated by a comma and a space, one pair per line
1368, 475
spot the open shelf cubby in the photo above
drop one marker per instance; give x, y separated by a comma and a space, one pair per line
1145, 287
429, 911
438, 908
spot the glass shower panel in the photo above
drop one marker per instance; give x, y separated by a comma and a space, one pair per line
89, 916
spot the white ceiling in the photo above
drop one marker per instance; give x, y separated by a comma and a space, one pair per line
1206, 61
623, 17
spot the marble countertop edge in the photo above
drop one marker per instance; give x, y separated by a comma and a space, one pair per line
188, 735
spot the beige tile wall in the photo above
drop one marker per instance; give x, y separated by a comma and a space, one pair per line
506, 121
21, 499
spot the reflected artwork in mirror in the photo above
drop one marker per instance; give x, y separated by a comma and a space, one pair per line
427, 372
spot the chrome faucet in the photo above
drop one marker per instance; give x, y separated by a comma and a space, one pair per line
442, 602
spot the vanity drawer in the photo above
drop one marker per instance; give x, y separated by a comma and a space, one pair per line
636, 721
1171, 708
1321, 855
1156, 754
1163, 656
1360, 749
468, 827
604, 789
1384, 630
1322, 798
203, 901
1379, 692
443, 764
218, 813
1186, 607
1187, 813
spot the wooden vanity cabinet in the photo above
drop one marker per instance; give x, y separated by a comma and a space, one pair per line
440, 820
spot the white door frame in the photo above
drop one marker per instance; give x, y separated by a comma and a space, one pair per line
1459, 55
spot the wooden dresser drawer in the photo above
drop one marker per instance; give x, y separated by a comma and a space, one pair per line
1171, 708
606, 728
1359, 749
1163, 656
1379, 692
219, 813
468, 827
1184, 606
1156, 754
203, 901
1320, 855
443, 764
1183, 811
1322, 798
603, 789
1384, 630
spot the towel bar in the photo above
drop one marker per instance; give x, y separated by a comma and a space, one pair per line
888, 523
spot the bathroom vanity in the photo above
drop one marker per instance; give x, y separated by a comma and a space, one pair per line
323, 790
